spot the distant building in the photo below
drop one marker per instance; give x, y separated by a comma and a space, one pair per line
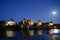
39, 23
24, 21
10, 22
51, 23
30, 22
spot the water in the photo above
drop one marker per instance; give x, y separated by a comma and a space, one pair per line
18, 36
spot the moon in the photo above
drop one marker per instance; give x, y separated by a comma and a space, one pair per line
54, 13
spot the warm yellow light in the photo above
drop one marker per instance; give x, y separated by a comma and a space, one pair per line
10, 23
21, 26
55, 26
39, 23
51, 31
31, 32
9, 33
23, 21
39, 32
30, 22
50, 24
54, 31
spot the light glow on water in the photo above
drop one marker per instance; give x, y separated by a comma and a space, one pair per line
56, 30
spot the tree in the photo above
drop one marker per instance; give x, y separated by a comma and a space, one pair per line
1, 27
2, 23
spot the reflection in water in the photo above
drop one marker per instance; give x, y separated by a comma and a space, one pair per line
54, 34
39, 32
56, 30
10, 33
52, 31
44, 35
31, 32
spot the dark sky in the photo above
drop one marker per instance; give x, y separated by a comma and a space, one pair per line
30, 9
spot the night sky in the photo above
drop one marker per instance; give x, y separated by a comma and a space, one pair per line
30, 9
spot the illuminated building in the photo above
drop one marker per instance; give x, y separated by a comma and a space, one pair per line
30, 22
39, 23
10, 22
51, 23
24, 21
27, 27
